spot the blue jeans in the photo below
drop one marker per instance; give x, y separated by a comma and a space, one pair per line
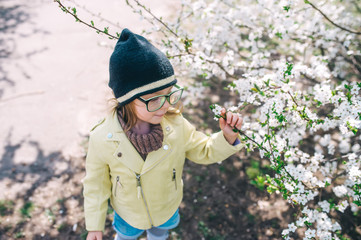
127, 232
152, 234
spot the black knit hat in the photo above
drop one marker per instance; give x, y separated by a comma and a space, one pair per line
137, 68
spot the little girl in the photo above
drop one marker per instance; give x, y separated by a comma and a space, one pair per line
136, 154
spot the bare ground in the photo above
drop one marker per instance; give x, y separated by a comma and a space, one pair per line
44, 198
41, 188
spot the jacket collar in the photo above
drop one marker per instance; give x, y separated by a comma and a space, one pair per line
126, 152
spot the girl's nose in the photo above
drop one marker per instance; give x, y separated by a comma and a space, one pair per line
166, 105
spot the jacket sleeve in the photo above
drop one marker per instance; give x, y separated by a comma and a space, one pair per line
204, 149
97, 187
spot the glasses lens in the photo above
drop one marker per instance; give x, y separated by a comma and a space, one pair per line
156, 103
175, 96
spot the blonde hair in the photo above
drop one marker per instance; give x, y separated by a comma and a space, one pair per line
129, 114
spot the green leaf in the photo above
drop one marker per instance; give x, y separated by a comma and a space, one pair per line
279, 35
286, 8
308, 223
74, 10
267, 82
232, 84
272, 189
26, 209
92, 23
348, 87
351, 128
187, 44
252, 172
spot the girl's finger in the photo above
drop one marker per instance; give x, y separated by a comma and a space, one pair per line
223, 111
222, 123
234, 119
239, 123
229, 117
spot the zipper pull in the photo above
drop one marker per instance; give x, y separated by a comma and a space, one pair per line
116, 186
174, 178
138, 186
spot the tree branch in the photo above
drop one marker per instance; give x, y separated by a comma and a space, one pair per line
155, 17
65, 9
97, 15
332, 22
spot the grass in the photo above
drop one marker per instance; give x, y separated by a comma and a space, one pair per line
6, 207
207, 233
204, 230
62, 227
19, 235
26, 209
256, 174
50, 214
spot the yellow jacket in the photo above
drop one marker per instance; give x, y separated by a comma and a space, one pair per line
144, 193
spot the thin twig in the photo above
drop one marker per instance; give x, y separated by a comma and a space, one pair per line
221, 67
96, 15
274, 158
332, 22
151, 20
245, 135
344, 156
65, 9
155, 17
299, 112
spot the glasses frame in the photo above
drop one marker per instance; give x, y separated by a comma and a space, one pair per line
167, 97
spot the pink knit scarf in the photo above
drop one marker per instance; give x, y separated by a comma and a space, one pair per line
144, 143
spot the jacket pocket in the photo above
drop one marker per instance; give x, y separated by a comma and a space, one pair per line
118, 186
174, 178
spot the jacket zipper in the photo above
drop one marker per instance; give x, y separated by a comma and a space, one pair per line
140, 189
140, 192
174, 178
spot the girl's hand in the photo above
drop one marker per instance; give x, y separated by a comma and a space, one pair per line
95, 235
233, 120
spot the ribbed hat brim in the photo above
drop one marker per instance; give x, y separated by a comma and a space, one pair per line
146, 89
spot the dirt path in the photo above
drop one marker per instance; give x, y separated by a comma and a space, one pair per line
53, 88
53, 74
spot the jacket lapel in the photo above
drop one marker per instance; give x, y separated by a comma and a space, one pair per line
128, 155
125, 152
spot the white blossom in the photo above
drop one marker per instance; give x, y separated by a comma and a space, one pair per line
290, 92
310, 233
342, 206
325, 206
340, 191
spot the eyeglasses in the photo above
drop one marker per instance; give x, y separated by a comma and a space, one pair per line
155, 103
